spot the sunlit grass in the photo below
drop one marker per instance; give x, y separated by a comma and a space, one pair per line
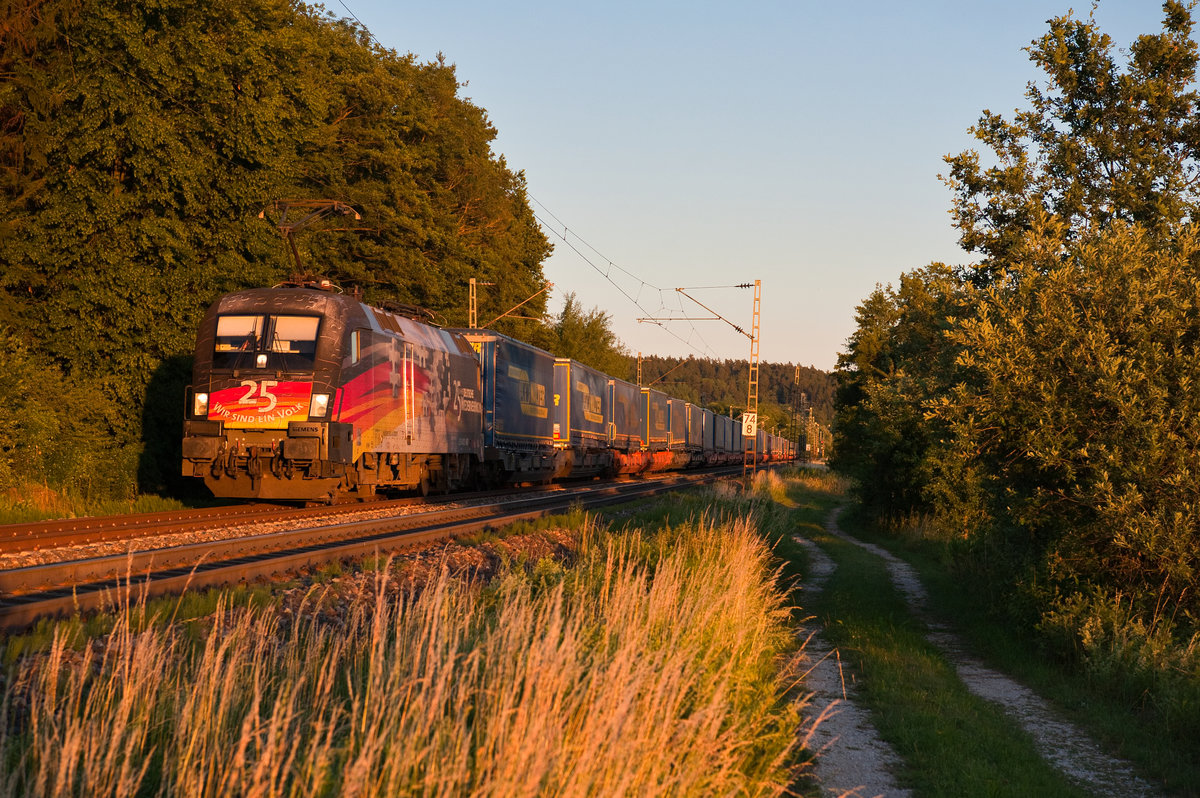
658, 663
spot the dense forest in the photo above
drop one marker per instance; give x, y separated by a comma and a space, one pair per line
144, 149
721, 385
1038, 413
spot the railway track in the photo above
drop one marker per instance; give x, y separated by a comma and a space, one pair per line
41, 535
37, 591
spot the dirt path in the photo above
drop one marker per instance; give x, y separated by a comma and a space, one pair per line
1064, 745
852, 761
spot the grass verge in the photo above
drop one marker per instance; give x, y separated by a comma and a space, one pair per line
1118, 720
952, 742
653, 662
37, 502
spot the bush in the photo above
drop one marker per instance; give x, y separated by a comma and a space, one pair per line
1147, 665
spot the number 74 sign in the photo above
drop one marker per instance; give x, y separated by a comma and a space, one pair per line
749, 425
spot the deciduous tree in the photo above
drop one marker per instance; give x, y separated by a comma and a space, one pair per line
1083, 410
1100, 142
141, 140
898, 360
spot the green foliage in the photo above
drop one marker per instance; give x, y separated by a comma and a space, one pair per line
31, 422
140, 141
1099, 143
1039, 412
898, 360
1085, 413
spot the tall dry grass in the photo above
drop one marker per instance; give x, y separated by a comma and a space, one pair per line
657, 665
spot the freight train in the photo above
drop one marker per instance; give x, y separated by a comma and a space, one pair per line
302, 393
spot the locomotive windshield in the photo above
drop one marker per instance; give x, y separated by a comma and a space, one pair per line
285, 343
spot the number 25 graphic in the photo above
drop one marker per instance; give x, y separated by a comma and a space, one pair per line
264, 391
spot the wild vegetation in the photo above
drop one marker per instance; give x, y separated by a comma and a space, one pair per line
1035, 413
652, 661
1108, 704
952, 742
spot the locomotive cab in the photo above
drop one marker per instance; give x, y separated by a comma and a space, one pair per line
259, 412
301, 393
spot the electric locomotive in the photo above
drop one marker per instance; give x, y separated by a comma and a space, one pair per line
301, 393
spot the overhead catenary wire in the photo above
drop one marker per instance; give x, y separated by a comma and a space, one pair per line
642, 284
612, 264
354, 16
607, 275
567, 230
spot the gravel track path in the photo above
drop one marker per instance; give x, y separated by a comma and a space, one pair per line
1063, 744
852, 760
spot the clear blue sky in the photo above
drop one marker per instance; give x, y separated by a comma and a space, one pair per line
702, 143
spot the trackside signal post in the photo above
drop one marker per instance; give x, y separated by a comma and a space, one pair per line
750, 455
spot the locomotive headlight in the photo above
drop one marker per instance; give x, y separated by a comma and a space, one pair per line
200, 405
261, 361
320, 405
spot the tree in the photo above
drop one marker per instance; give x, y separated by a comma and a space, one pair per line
1039, 412
32, 426
439, 206
1084, 411
1099, 144
586, 336
139, 142
898, 360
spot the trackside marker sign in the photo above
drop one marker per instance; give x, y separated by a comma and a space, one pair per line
749, 424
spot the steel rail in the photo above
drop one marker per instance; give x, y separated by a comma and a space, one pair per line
35, 535
35, 592
38, 535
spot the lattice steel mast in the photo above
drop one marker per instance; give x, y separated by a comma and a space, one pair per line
750, 454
